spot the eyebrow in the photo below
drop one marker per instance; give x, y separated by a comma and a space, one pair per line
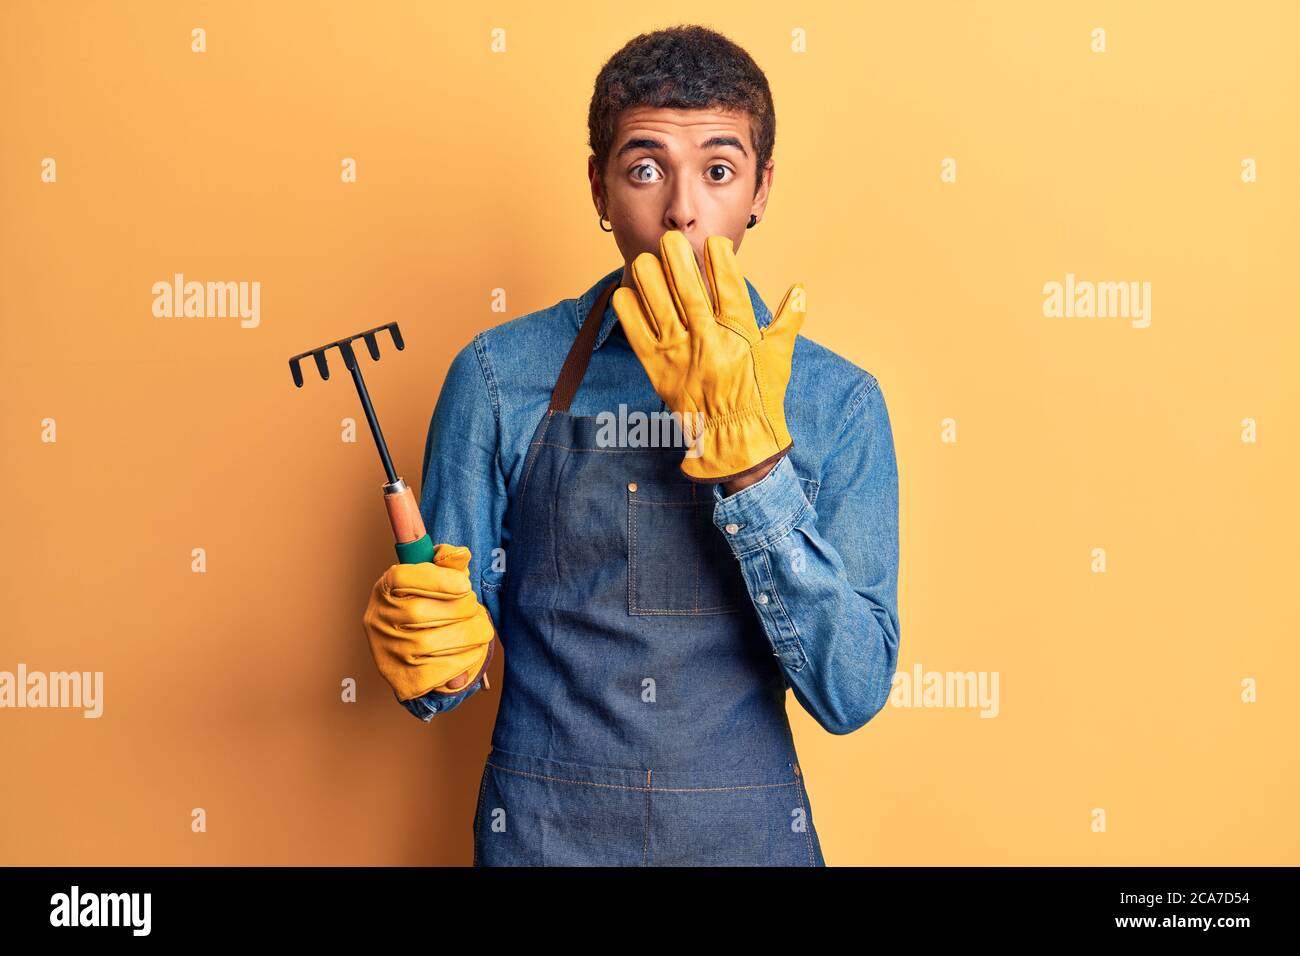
710, 143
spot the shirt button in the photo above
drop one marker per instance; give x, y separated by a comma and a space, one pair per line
631, 486
733, 528
762, 598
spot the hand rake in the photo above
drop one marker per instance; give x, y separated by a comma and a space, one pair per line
413, 543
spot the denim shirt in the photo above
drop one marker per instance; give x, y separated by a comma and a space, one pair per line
816, 538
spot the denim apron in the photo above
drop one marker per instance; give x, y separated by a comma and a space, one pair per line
642, 716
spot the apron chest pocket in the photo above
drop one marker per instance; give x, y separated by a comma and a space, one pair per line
677, 559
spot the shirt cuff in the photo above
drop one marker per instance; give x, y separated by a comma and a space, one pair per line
766, 511
434, 703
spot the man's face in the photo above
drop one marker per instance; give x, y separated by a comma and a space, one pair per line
691, 170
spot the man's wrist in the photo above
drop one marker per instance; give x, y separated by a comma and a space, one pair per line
738, 484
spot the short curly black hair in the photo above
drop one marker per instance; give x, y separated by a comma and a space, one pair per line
681, 67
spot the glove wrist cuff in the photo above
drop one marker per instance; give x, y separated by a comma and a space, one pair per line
705, 477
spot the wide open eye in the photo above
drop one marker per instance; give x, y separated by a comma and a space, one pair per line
728, 173
637, 178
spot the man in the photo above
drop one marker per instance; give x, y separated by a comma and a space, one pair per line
655, 601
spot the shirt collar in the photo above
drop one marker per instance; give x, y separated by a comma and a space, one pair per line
761, 313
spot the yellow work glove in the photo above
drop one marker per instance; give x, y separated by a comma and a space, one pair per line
707, 358
426, 626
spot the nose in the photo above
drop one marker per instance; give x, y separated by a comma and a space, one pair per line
683, 222
680, 212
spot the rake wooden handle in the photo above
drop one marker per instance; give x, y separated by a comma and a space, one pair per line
414, 546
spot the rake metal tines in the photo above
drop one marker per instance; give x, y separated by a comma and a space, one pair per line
345, 346
350, 361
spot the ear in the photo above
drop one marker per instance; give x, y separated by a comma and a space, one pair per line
759, 205
597, 181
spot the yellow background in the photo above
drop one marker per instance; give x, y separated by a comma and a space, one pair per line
1119, 691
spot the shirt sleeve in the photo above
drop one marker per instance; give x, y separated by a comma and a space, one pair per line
824, 580
463, 490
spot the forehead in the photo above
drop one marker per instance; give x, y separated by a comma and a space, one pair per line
687, 126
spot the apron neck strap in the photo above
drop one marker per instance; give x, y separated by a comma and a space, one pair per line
579, 357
